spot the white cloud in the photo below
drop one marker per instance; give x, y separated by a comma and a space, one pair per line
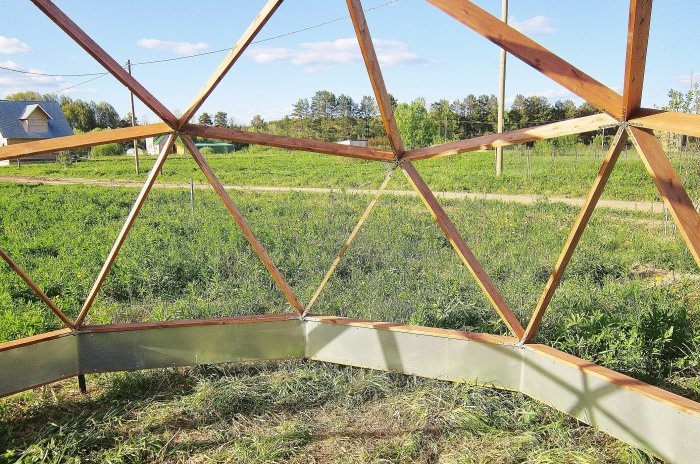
181, 48
11, 45
322, 56
534, 25
16, 82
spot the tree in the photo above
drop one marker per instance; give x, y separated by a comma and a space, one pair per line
205, 119
221, 119
126, 121
301, 109
414, 124
443, 120
347, 112
257, 123
106, 117
532, 111
30, 95
80, 115
563, 110
323, 105
367, 111
300, 118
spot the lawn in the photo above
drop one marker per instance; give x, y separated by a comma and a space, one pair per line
629, 301
527, 171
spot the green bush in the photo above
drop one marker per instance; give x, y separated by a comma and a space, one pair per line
111, 149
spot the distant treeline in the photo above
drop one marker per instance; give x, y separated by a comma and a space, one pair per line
326, 116
331, 117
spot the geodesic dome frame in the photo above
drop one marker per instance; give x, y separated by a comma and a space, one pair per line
663, 423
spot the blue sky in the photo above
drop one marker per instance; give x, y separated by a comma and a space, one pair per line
424, 52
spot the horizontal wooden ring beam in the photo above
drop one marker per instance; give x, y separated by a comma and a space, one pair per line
530, 134
90, 139
291, 143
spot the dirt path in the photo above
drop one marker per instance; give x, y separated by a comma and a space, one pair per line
647, 206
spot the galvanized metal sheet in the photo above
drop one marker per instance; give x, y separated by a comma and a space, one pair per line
185, 346
35, 364
418, 354
644, 420
635, 418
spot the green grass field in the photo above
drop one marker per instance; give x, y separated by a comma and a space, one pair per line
629, 301
526, 172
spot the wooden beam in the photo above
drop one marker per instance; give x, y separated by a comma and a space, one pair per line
348, 242
258, 22
182, 323
291, 143
90, 139
243, 225
115, 69
635, 63
35, 288
575, 234
667, 121
369, 54
463, 251
530, 134
534, 54
126, 228
670, 187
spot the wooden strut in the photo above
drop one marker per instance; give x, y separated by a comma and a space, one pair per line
374, 71
636, 58
115, 69
575, 235
260, 20
462, 249
533, 54
291, 143
349, 241
529, 134
670, 187
126, 228
667, 121
243, 225
89, 139
35, 288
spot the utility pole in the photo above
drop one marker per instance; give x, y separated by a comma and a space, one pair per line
501, 93
133, 121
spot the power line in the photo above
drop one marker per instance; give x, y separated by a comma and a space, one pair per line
267, 39
76, 85
195, 55
20, 71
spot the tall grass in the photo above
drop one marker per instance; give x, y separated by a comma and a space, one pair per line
296, 412
629, 301
542, 170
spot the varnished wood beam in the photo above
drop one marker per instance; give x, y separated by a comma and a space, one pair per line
465, 254
258, 22
635, 63
576, 233
90, 139
291, 143
35, 288
115, 69
348, 242
243, 225
369, 54
126, 228
534, 54
670, 187
667, 121
530, 134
